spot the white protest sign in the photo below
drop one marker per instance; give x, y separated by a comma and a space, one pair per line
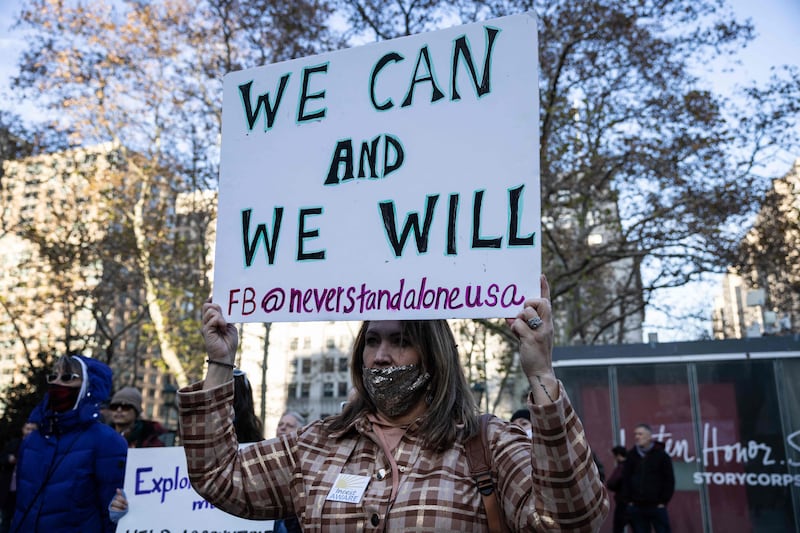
160, 498
394, 180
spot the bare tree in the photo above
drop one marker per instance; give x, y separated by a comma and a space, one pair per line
147, 77
647, 175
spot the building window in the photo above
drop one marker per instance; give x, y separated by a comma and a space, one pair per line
306, 343
293, 343
343, 364
330, 343
328, 364
292, 391
342, 392
305, 390
327, 390
305, 365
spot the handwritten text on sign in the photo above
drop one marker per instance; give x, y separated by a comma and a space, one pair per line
161, 498
394, 180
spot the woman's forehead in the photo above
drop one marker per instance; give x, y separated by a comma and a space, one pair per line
385, 327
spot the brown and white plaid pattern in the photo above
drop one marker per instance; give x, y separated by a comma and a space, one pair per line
547, 484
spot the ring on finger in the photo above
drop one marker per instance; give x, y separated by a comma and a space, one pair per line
535, 322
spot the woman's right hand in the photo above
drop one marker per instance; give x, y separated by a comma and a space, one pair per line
119, 502
118, 506
221, 342
221, 338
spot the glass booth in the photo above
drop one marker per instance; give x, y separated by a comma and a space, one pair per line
729, 415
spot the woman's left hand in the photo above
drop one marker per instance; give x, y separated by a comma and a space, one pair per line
534, 328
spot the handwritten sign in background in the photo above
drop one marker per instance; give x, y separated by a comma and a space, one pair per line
328, 160
160, 497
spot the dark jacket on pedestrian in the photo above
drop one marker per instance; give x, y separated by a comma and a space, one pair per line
145, 434
648, 479
69, 468
615, 483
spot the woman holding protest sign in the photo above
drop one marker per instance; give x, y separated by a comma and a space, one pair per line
395, 459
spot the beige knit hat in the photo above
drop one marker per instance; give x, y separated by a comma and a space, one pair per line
129, 396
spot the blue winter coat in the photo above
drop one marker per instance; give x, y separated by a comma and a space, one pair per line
70, 468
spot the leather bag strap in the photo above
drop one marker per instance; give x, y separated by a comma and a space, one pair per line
480, 467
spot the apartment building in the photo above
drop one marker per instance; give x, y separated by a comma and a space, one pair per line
52, 291
762, 296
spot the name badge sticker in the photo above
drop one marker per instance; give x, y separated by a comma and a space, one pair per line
348, 488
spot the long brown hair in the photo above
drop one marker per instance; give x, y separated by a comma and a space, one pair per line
450, 400
248, 425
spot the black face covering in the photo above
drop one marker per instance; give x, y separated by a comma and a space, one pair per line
62, 398
397, 389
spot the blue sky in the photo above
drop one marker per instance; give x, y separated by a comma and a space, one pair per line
777, 24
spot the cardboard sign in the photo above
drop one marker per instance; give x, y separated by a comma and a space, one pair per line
395, 180
160, 498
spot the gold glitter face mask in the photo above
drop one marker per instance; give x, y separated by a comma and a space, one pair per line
397, 389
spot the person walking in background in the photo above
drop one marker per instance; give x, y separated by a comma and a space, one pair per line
394, 459
126, 408
8, 477
614, 484
69, 468
648, 482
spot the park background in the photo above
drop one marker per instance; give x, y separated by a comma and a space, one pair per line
657, 184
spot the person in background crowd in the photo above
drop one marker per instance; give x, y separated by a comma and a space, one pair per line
614, 484
8, 477
648, 482
601, 470
394, 459
522, 417
126, 408
69, 468
289, 422
249, 427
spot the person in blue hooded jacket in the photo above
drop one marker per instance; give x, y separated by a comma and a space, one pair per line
70, 467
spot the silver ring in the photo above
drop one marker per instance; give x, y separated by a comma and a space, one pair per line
535, 322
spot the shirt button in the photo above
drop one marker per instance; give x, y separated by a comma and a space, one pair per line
375, 519
381, 474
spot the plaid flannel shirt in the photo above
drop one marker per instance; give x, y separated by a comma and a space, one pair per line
547, 483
